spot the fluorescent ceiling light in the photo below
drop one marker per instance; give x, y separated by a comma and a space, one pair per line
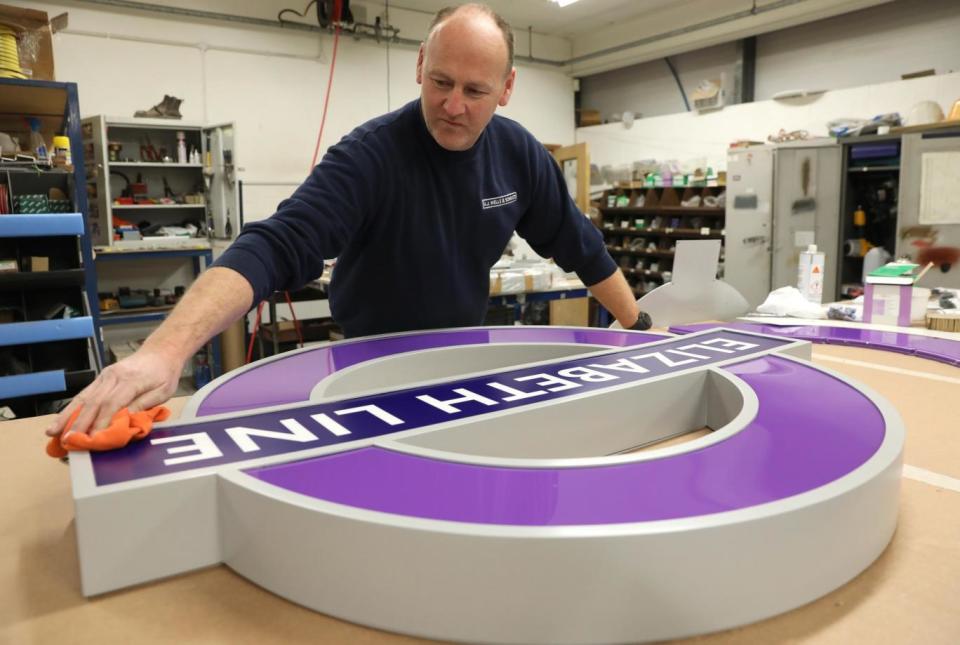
563, 3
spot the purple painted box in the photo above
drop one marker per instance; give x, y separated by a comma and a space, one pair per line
893, 304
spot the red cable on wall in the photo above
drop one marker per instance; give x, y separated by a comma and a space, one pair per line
333, 63
337, 8
256, 328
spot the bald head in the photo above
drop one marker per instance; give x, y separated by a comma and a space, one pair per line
479, 19
465, 70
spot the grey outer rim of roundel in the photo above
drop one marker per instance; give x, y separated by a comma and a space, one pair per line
490, 583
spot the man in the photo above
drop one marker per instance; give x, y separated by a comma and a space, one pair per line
417, 205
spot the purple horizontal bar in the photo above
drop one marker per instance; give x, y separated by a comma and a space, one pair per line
936, 349
786, 450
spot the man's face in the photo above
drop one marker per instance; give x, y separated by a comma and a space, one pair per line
462, 73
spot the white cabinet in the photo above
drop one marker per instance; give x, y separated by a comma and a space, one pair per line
780, 199
929, 225
145, 195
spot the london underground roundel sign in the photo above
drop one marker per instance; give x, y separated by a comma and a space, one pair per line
478, 484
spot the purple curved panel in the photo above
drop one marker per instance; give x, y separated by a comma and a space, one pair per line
290, 379
937, 349
786, 450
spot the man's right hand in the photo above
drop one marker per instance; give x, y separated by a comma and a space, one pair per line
149, 377
138, 382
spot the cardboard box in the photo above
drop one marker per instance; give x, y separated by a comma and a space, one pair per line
894, 304
512, 282
519, 280
890, 297
588, 117
536, 280
571, 312
35, 41
38, 264
496, 285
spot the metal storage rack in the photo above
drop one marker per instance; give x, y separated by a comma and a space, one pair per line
128, 179
201, 259
871, 180
642, 239
134, 175
46, 357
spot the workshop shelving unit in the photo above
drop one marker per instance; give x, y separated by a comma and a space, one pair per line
275, 336
871, 181
135, 178
201, 259
642, 239
49, 341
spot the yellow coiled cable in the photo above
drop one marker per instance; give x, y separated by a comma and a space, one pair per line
9, 56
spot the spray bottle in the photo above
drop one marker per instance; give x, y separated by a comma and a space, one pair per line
181, 147
810, 274
37, 144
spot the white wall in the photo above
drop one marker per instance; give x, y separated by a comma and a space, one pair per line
689, 135
270, 82
649, 89
666, 27
866, 47
863, 48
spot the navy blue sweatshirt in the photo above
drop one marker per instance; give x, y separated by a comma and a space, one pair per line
415, 228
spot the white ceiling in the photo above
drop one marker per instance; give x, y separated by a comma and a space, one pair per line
610, 34
548, 18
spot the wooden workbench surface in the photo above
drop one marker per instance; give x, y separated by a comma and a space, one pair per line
909, 595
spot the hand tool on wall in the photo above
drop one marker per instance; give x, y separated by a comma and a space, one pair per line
147, 151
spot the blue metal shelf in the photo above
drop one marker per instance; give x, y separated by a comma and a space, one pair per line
517, 300
127, 255
58, 107
12, 387
121, 319
30, 84
41, 225
41, 279
103, 256
45, 331
538, 296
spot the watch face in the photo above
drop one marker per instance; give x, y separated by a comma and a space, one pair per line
643, 322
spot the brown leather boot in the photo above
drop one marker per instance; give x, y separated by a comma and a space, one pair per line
168, 108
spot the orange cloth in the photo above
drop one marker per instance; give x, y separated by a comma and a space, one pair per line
124, 427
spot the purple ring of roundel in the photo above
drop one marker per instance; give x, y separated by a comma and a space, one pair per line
291, 379
941, 350
800, 439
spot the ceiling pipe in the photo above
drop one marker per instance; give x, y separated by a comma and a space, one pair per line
682, 31
261, 22
275, 24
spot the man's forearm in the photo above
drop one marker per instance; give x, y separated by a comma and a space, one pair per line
614, 293
217, 298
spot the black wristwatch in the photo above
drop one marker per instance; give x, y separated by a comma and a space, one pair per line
643, 322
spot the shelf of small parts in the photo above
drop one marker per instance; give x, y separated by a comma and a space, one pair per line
713, 234
658, 253
644, 273
708, 211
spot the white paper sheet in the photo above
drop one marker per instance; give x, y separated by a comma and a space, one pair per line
939, 197
695, 261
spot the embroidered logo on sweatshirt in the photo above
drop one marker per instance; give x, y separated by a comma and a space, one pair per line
502, 200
